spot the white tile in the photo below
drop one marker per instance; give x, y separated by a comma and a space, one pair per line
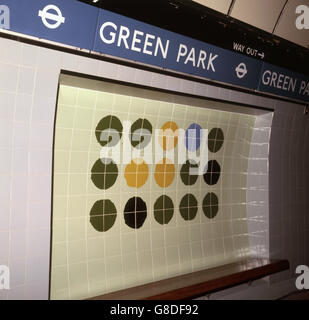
158, 81
17, 272
21, 135
6, 131
187, 86
5, 161
19, 201
38, 243
48, 59
142, 77
29, 55
4, 249
40, 161
41, 136
20, 161
212, 92
9, 82
43, 110
199, 89
46, 83
40, 188
173, 83
38, 291
69, 62
35, 274
26, 80
107, 69
11, 51
39, 214
18, 293
88, 66
23, 107
3, 294
5, 213
7, 101
125, 73
224, 94
18, 243
5, 182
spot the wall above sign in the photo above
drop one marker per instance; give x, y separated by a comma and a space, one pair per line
80, 25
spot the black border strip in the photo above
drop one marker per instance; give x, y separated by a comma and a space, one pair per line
52, 191
144, 67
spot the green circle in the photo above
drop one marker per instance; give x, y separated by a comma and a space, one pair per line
103, 215
143, 134
163, 209
215, 139
210, 205
104, 173
109, 125
187, 178
188, 207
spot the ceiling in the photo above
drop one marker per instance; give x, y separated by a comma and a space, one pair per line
274, 16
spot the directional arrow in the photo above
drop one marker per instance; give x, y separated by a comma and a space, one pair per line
261, 55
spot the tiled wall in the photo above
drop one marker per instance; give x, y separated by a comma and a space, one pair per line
28, 88
125, 224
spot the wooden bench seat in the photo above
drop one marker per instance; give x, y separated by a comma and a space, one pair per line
200, 283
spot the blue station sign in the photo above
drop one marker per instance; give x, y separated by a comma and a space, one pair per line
83, 26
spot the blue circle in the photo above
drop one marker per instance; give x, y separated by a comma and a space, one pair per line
193, 137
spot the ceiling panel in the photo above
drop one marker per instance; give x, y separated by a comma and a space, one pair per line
286, 27
262, 14
218, 5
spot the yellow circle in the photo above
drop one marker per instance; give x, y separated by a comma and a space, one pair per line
168, 135
136, 173
164, 173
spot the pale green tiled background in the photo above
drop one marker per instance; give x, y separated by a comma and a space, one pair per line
86, 262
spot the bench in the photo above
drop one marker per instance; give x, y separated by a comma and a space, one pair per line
200, 283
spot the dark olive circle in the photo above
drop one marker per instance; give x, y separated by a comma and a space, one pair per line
144, 138
215, 139
188, 207
135, 212
104, 175
187, 178
163, 209
103, 215
212, 175
210, 205
106, 124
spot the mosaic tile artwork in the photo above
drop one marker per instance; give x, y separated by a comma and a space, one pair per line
118, 224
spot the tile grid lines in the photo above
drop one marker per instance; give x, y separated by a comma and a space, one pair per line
221, 192
189, 191
107, 284
28, 183
279, 107
11, 185
67, 204
152, 182
164, 236
121, 234
164, 210
190, 230
87, 200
